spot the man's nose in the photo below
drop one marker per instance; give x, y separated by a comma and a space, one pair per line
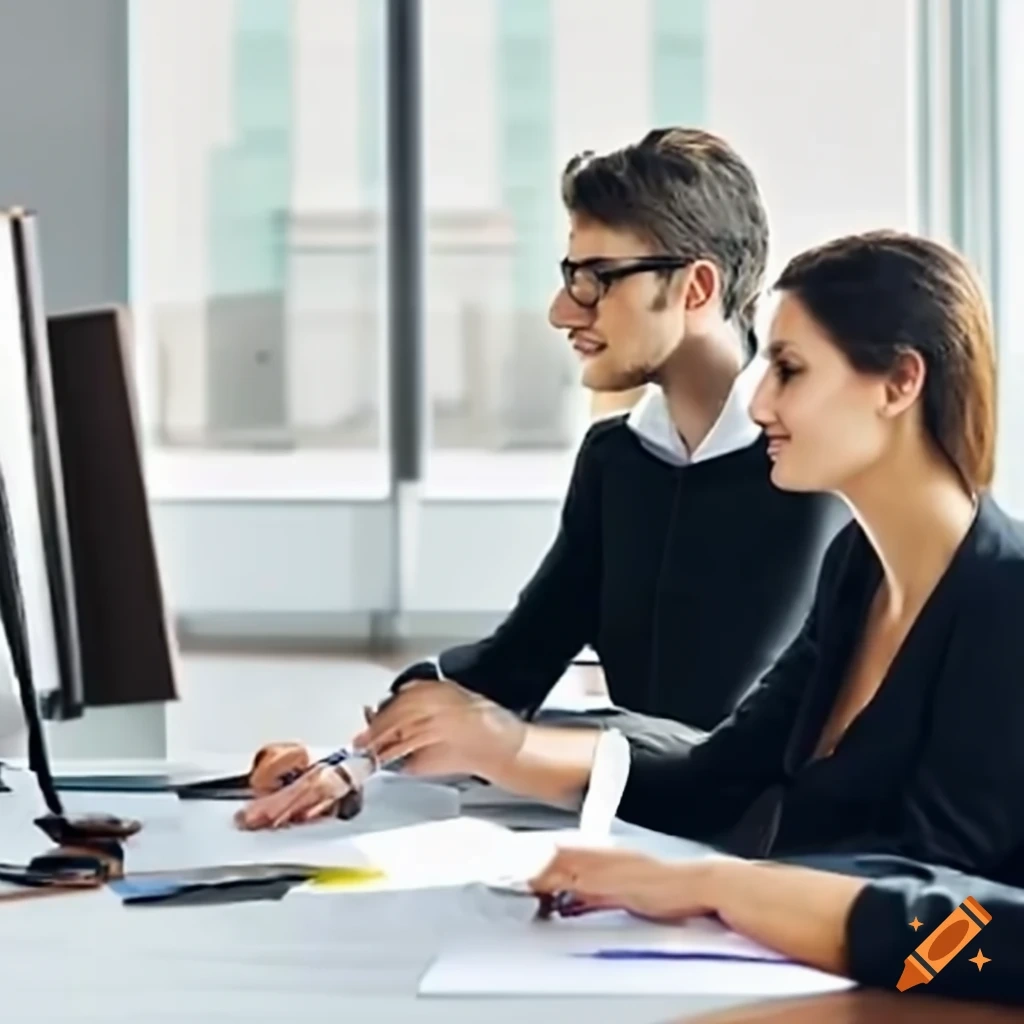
565, 313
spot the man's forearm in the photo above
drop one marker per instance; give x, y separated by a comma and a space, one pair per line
552, 765
799, 912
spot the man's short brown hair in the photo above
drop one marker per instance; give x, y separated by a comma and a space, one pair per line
688, 193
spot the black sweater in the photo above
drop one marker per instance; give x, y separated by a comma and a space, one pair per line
686, 581
932, 769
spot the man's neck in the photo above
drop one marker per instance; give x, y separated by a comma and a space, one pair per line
697, 381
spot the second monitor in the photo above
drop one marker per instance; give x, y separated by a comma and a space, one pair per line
127, 651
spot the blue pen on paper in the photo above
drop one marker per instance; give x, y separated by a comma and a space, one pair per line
677, 955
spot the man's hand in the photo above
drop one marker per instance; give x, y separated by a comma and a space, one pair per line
275, 764
623, 880
442, 729
322, 791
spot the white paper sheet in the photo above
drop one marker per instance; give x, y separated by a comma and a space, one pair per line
460, 851
553, 958
521, 973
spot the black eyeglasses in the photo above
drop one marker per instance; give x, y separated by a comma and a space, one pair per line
587, 281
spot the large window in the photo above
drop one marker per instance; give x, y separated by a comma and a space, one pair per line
260, 232
260, 174
513, 88
257, 151
1010, 233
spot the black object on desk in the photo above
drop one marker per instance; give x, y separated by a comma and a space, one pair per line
229, 787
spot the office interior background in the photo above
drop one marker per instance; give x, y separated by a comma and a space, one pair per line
221, 167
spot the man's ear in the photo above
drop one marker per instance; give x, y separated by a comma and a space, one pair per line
701, 284
905, 382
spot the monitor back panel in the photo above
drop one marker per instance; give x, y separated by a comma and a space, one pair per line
126, 645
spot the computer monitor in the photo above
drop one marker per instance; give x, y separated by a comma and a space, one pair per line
31, 464
80, 599
126, 648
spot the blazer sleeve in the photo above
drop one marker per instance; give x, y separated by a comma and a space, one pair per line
555, 615
879, 939
961, 803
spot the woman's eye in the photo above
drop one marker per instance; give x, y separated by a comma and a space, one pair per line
785, 372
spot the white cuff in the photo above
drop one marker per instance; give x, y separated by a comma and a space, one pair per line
608, 774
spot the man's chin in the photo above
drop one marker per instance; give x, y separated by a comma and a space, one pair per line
610, 383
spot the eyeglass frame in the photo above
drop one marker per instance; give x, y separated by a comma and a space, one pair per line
606, 276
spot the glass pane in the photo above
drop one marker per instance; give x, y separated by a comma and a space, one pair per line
513, 88
257, 155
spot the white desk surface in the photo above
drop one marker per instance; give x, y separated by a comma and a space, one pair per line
348, 959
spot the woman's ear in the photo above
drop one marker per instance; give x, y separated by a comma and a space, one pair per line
905, 382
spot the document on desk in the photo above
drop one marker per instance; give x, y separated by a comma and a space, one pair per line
179, 835
441, 854
612, 954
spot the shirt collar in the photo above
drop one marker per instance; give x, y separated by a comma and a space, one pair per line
733, 430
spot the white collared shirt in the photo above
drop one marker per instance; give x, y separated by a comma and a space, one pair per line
732, 431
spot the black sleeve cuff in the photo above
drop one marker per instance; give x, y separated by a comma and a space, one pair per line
878, 935
420, 670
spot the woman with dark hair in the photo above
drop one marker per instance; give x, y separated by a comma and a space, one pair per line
893, 723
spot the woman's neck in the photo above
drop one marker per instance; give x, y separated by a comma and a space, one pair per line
916, 515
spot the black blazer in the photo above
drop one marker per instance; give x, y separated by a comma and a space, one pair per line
932, 768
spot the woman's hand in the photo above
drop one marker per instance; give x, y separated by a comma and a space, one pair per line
623, 880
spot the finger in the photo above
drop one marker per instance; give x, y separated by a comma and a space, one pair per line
325, 808
383, 743
265, 810
266, 777
254, 815
410, 742
556, 877
430, 759
305, 796
269, 749
581, 904
401, 710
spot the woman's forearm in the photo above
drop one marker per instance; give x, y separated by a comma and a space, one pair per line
799, 912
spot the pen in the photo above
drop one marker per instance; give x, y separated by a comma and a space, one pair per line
677, 955
564, 904
331, 760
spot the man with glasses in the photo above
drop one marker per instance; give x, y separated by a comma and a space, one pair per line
676, 560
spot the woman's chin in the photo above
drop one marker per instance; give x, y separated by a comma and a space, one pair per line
783, 477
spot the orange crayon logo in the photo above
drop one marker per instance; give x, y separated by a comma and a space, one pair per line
944, 943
